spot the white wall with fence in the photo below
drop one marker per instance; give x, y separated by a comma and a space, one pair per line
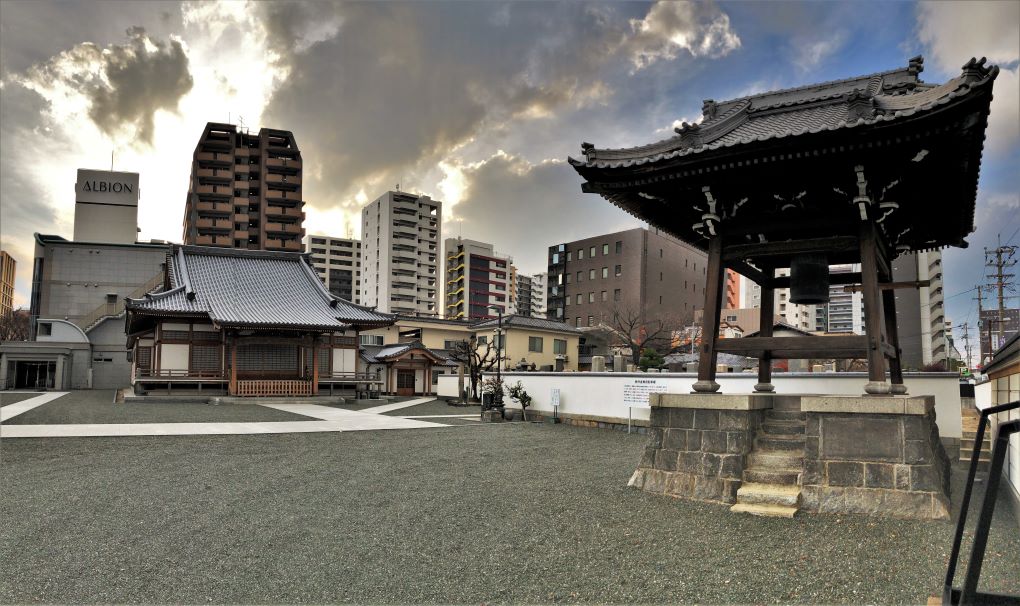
604, 394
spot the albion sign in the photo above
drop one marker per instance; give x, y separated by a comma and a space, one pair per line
105, 186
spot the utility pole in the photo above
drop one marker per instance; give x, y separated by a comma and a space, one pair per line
1000, 259
966, 344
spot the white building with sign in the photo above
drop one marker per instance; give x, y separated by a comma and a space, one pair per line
106, 207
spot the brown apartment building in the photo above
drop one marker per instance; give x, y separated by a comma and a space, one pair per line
638, 270
7, 267
245, 190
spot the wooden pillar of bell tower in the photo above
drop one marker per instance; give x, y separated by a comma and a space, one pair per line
714, 279
768, 304
873, 312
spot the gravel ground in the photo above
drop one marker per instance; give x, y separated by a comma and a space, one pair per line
394, 516
435, 407
98, 407
11, 398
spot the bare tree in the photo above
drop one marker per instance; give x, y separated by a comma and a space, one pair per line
641, 329
477, 358
14, 326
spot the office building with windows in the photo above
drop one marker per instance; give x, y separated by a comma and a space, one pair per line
337, 261
477, 279
400, 248
245, 190
638, 271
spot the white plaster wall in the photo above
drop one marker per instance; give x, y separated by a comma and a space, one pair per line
983, 395
173, 357
601, 394
447, 386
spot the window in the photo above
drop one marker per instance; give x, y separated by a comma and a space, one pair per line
535, 344
605, 272
555, 258
605, 296
591, 274
591, 321
567, 300
660, 253
579, 299
560, 346
45, 329
618, 270
660, 299
580, 275
371, 339
591, 252
570, 256
731, 318
577, 321
566, 279
111, 298
619, 246
605, 249
580, 254
660, 276
483, 340
591, 297
616, 294
450, 344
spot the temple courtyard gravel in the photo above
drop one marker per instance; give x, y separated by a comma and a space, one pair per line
513, 512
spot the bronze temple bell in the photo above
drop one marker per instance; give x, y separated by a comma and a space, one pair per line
809, 279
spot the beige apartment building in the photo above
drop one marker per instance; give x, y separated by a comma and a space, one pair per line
7, 268
245, 190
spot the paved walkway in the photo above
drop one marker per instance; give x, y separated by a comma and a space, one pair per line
13, 410
397, 405
328, 419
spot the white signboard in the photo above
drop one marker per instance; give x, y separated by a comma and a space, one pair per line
556, 397
106, 187
635, 393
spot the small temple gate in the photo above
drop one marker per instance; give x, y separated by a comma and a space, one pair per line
859, 170
247, 323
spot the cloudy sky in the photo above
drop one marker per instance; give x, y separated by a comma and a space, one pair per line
477, 104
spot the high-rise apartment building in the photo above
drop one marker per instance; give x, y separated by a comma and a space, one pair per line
638, 271
400, 239
844, 313
731, 290
7, 267
245, 190
920, 313
337, 261
539, 291
477, 277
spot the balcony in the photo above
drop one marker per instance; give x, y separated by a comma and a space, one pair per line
285, 211
283, 228
205, 207
218, 190
279, 195
242, 184
241, 235
278, 244
216, 224
213, 240
214, 173
242, 218
217, 158
283, 163
284, 179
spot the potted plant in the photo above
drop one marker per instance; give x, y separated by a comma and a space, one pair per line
492, 394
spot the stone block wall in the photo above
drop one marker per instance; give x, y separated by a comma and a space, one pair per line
697, 453
874, 463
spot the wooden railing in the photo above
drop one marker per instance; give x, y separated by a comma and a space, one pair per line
274, 388
169, 373
351, 377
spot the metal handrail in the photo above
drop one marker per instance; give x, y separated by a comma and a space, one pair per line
969, 594
112, 309
171, 373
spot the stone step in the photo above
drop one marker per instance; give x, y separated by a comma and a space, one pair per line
775, 427
772, 475
986, 450
791, 415
775, 511
779, 443
768, 494
783, 459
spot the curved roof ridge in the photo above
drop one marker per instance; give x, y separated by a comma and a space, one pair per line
189, 290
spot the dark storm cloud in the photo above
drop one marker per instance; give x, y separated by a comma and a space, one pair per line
125, 84
398, 87
505, 191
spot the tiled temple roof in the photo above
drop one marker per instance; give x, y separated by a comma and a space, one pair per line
251, 288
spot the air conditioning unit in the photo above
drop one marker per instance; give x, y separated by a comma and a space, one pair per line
561, 357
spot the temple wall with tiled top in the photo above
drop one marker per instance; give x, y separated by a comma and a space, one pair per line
696, 453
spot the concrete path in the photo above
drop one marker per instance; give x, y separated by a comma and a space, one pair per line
397, 405
13, 410
354, 420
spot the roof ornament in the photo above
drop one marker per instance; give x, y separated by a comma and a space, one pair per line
690, 135
710, 219
588, 149
709, 109
975, 69
916, 65
860, 106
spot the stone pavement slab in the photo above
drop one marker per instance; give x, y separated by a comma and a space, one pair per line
13, 410
351, 420
396, 405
